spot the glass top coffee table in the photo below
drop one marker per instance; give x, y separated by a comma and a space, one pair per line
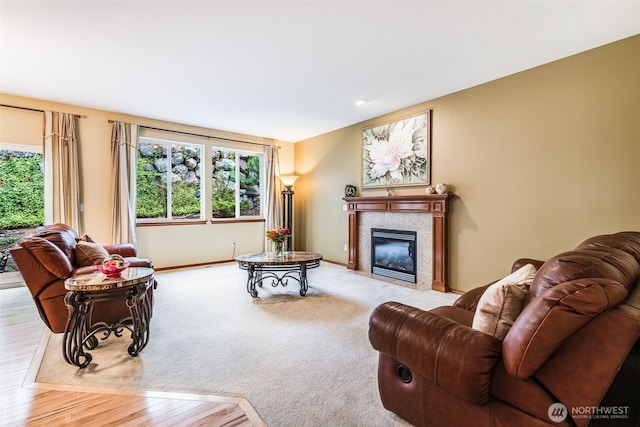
266, 265
84, 290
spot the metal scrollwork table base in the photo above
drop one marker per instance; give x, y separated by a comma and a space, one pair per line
87, 289
264, 266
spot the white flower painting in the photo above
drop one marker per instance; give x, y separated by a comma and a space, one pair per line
397, 153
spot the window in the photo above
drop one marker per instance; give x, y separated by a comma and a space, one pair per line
21, 196
236, 184
168, 184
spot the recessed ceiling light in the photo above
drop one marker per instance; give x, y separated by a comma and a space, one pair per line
361, 101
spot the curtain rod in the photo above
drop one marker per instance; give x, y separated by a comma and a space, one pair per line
201, 135
32, 109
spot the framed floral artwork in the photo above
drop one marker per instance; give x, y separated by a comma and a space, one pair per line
398, 153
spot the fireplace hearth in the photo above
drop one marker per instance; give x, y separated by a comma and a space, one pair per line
393, 254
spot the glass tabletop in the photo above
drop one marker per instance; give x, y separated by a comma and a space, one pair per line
270, 258
98, 281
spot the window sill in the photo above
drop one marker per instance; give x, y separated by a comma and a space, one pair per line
163, 223
197, 222
235, 220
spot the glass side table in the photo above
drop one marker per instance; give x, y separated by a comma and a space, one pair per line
85, 290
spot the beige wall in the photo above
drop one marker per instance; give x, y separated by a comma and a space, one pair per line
539, 161
166, 245
22, 127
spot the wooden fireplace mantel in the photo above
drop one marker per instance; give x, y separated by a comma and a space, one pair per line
436, 204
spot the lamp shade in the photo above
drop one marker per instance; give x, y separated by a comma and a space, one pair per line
288, 180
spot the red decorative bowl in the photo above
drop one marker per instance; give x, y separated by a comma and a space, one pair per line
112, 270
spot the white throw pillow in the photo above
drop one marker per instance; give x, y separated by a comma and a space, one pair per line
502, 302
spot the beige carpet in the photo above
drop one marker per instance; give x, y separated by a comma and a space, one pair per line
300, 361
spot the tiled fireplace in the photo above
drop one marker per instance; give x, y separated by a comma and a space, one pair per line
393, 254
424, 215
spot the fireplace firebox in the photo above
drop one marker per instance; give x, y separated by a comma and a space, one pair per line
393, 254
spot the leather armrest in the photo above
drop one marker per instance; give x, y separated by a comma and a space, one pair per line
469, 301
124, 249
129, 253
521, 262
457, 358
86, 269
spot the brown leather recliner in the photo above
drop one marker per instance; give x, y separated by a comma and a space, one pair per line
578, 325
47, 257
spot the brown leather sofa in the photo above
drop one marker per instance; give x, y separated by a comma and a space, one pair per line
579, 323
48, 256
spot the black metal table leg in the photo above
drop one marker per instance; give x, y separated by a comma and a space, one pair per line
251, 281
76, 331
139, 309
304, 285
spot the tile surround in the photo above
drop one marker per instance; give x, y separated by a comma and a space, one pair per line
420, 222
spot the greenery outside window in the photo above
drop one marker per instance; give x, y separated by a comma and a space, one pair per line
236, 184
168, 181
22, 190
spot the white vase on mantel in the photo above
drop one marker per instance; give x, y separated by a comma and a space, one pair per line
442, 188
430, 190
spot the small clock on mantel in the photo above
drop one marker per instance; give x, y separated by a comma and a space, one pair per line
350, 190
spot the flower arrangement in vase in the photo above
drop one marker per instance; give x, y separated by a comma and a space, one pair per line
278, 236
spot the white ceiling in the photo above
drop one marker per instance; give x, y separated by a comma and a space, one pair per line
285, 70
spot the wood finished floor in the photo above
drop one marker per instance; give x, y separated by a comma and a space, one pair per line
25, 403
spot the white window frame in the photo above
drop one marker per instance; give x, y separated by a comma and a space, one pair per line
206, 181
240, 152
203, 172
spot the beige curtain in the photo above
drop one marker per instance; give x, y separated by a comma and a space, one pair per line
62, 198
124, 147
273, 213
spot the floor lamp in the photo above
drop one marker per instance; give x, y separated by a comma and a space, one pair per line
287, 207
